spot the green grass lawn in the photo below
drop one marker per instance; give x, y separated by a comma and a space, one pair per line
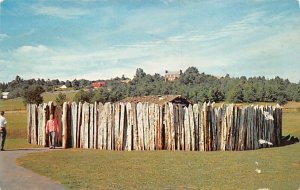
95, 169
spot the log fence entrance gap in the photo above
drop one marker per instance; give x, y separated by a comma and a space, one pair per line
148, 126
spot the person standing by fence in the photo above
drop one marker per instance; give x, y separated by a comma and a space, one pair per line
3, 123
52, 129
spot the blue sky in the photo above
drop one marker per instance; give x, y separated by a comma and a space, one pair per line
99, 39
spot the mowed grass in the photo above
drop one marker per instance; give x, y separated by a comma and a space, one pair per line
52, 96
96, 169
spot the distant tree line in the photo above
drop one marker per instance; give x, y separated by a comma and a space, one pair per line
192, 84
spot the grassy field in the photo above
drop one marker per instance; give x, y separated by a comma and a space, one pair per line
95, 169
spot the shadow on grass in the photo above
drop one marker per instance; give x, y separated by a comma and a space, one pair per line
288, 140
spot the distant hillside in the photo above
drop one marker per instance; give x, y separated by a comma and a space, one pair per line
191, 84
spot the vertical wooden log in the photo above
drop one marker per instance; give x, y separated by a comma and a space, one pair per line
196, 123
45, 119
86, 122
172, 127
167, 127
101, 126
34, 124
229, 112
129, 127
208, 128
176, 124
91, 130
58, 116
74, 120
29, 123
96, 117
117, 113
135, 127
187, 132
161, 127
146, 126
220, 119
213, 128
109, 125
224, 128
235, 137
40, 124
106, 132
122, 125
140, 125
112, 121
79, 123
203, 128
152, 126
255, 128
64, 125
157, 139
192, 127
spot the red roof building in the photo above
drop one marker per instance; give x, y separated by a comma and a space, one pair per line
98, 84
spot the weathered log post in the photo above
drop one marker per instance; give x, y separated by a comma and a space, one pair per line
29, 122
203, 128
187, 130
34, 124
122, 126
101, 126
96, 117
140, 126
91, 126
40, 123
64, 125
108, 112
74, 123
85, 126
158, 127
117, 113
79, 124
176, 126
196, 123
223, 128
192, 127
135, 130
146, 126
129, 127
45, 119
200, 127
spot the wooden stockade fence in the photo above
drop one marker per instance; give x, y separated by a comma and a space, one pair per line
147, 126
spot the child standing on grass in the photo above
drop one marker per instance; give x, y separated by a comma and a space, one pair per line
3, 123
52, 129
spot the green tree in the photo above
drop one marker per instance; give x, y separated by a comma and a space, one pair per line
61, 98
249, 93
32, 95
235, 95
84, 96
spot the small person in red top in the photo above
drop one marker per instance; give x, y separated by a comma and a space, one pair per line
52, 129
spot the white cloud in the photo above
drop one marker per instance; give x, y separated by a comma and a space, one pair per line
1, 1
3, 36
65, 13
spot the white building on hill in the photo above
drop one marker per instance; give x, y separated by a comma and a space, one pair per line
4, 95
